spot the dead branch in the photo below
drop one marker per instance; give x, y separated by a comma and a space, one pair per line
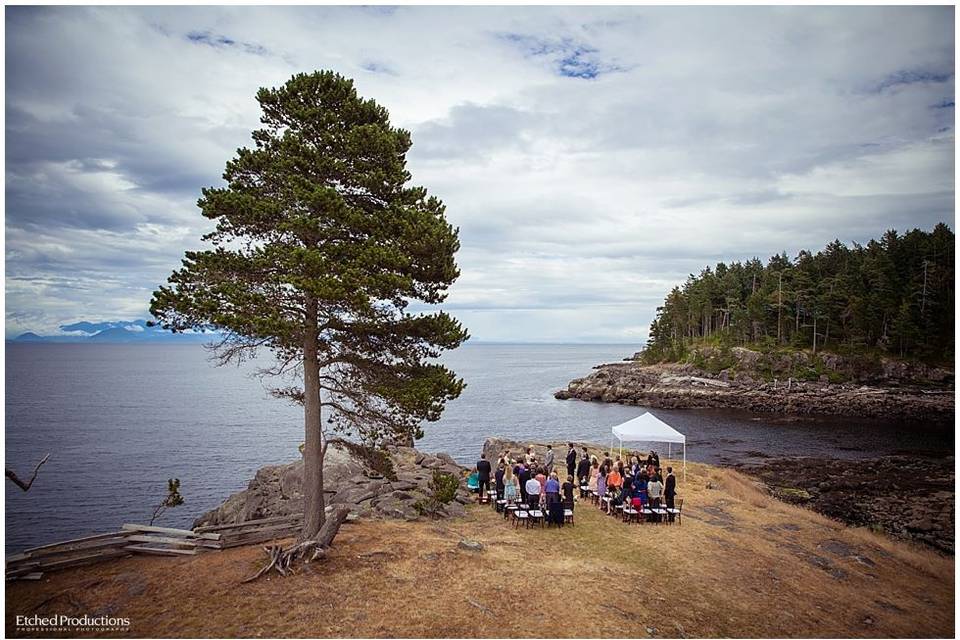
20, 483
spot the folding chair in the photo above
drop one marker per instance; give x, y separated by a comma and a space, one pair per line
520, 516
568, 516
674, 514
535, 516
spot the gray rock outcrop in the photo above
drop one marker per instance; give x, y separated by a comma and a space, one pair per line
276, 490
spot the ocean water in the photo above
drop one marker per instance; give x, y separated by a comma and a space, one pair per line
118, 420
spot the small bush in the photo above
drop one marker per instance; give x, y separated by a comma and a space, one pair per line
443, 489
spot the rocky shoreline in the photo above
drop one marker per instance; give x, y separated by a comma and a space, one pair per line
895, 392
908, 497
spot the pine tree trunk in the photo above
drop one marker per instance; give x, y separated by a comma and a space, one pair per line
313, 503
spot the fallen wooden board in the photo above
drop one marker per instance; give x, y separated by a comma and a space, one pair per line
99, 536
160, 551
264, 537
186, 533
119, 540
36, 575
207, 544
110, 554
249, 523
232, 535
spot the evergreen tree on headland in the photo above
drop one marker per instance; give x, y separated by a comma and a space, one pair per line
319, 248
895, 296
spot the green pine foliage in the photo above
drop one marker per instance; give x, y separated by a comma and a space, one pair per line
894, 296
326, 256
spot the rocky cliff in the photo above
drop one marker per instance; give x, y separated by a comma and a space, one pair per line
752, 381
349, 479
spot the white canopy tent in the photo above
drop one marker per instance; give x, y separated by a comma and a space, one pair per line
650, 428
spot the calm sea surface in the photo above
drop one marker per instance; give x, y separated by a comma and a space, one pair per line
118, 420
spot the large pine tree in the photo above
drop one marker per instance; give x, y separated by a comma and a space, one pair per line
319, 249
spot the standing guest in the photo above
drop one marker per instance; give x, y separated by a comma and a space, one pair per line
542, 479
522, 476
656, 458
509, 486
568, 493
670, 489
533, 493
498, 480
551, 490
548, 459
655, 491
594, 472
641, 488
614, 479
571, 460
483, 472
528, 458
601, 485
583, 468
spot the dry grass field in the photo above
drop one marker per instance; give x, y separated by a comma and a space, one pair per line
741, 565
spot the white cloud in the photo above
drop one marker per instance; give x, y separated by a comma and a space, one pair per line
591, 157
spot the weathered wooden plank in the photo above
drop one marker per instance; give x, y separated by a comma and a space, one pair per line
209, 544
36, 575
254, 539
22, 569
256, 530
160, 551
186, 533
250, 523
66, 563
119, 540
99, 536
16, 557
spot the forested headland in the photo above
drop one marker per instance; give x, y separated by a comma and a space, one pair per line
893, 296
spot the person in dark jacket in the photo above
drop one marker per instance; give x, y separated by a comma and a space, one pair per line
571, 460
583, 468
522, 476
670, 489
483, 471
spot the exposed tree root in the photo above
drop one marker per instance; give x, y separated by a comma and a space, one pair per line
283, 559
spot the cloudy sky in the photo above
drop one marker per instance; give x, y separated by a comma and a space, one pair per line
592, 158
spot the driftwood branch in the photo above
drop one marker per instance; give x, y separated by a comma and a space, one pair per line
308, 550
20, 483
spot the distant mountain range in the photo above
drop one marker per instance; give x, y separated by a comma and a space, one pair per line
118, 331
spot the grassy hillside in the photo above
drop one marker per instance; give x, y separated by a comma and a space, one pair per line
741, 565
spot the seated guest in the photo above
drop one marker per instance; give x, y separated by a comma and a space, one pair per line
568, 493
551, 490
533, 493
640, 488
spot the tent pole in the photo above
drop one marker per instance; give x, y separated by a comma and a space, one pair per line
668, 451
684, 461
